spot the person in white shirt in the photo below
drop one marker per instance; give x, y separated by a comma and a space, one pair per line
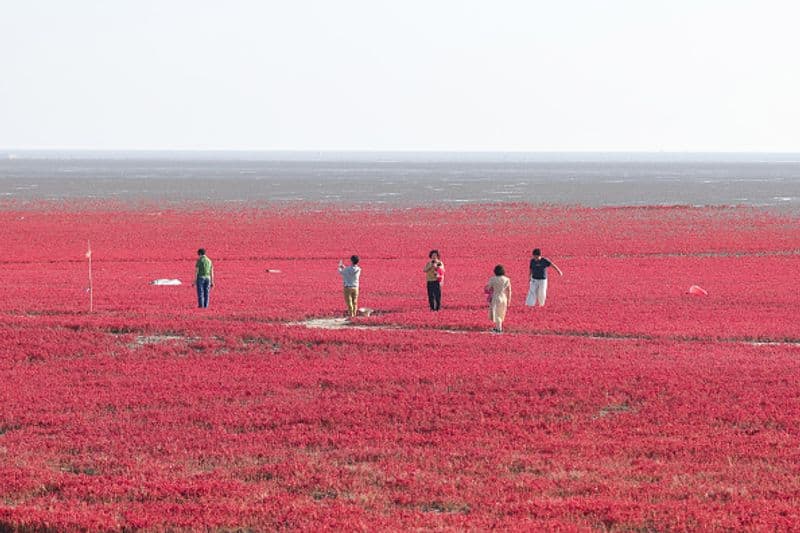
350, 276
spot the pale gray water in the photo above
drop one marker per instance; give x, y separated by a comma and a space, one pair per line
405, 178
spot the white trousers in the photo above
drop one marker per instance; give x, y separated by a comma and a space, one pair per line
537, 293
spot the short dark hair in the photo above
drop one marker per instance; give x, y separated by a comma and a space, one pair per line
499, 270
537, 251
354, 259
201, 251
430, 254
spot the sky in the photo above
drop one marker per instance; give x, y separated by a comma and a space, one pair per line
453, 75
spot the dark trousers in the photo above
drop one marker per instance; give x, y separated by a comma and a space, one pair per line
203, 286
435, 295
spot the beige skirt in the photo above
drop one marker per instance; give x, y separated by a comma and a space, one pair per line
498, 307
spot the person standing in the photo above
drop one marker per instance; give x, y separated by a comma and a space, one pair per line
203, 277
537, 292
434, 272
499, 287
350, 277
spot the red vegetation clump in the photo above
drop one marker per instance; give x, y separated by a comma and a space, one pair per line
623, 404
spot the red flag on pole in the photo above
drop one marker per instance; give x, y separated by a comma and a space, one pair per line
89, 257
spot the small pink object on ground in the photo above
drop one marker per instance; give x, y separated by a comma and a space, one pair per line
698, 291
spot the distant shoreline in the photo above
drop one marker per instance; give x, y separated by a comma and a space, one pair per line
399, 155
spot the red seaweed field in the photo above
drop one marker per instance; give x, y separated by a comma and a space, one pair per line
624, 404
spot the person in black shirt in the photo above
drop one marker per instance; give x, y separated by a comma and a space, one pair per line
537, 293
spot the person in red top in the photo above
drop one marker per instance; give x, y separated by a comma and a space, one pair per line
434, 273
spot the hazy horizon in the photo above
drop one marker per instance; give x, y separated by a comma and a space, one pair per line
401, 155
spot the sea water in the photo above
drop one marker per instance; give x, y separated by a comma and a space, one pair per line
405, 178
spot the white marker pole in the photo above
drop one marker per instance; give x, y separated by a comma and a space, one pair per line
91, 292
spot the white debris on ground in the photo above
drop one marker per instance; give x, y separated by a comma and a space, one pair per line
697, 290
166, 282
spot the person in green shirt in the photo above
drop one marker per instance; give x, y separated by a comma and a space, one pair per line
203, 277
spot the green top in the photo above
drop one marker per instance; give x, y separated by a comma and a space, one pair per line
203, 267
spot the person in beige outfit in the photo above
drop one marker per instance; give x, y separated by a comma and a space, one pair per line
499, 286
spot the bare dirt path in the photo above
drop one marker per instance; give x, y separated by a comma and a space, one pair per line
341, 323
